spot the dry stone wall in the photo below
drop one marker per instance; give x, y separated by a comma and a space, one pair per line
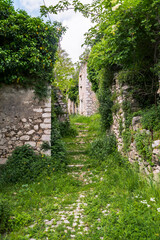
60, 105
88, 103
23, 120
72, 107
118, 127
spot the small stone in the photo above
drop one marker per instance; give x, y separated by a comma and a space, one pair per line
156, 144
36, 137
66, 221
30, 132
46, 138
49, 222
36, 127
20, 133
47, 110
47, 120
46, 115
32, 144
48, 104
38, 110
27, 126
45, 126
24, 120
25, 138
47, 132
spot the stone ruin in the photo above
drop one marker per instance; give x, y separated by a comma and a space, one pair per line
88, 104
24, 119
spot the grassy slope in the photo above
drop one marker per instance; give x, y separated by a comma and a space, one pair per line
107, 201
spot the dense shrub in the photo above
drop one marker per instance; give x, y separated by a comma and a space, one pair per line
151, 118
144, 145
66, 129
101, 148
27, 48
4, 215
25, 165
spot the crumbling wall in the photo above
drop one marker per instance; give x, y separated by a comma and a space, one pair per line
72, 107
88, 103
24, 119
123, 95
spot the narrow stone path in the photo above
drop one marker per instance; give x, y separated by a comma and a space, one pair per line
72, 218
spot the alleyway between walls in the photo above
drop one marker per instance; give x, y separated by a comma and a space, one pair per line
99, 196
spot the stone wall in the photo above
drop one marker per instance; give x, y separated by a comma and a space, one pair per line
118, 127
88, 103
72, 107
23, 120
60, 105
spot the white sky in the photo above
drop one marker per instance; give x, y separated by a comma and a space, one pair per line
76, 24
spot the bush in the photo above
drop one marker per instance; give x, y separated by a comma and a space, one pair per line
101, 148
25, 165
4, 215
66, 129
151, 118
144, 145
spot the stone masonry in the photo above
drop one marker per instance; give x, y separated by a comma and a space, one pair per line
88, 103
72, 107
23, 120
122, 94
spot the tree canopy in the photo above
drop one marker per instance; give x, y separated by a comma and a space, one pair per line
66, 75
27, 48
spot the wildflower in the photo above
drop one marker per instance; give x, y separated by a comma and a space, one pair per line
158, 209
152, 199
144, 202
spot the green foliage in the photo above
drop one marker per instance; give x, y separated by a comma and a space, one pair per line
103, 147
25, 165
127, 139
115, 107
66, 75
66, 129
19, 220
151, 118
128, 114
4, 215
144, 145
126, 38
105, 106
121, 126
105, 99
27, 48
58, 150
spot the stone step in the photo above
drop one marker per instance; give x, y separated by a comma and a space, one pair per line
83, 130
68, 143
80, 124
79, 165
80, 136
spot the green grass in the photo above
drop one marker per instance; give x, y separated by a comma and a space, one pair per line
119, 202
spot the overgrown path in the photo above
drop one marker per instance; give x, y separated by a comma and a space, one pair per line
99, 196
71, 220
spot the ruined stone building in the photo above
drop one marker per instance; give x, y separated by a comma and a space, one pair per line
23, 120
88, 104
